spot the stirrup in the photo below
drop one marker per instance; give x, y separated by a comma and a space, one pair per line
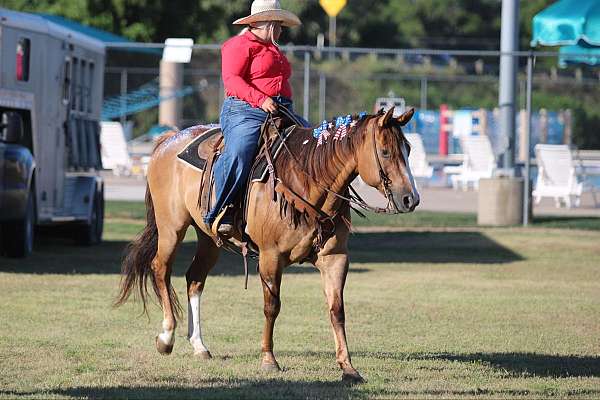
215, 225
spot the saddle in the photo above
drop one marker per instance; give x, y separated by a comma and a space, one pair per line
199, 158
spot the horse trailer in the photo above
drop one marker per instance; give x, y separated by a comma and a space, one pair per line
51, 84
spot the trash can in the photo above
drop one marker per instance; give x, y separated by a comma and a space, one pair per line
500, 201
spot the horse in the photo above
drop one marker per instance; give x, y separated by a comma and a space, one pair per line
303, 217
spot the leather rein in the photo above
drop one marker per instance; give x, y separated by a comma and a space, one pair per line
353, 198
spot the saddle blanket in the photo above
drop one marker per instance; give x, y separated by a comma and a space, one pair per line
190, 154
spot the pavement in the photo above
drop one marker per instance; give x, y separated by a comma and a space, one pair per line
435, 198
124, 188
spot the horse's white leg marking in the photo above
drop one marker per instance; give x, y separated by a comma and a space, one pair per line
409, 174
194, 329
167, 336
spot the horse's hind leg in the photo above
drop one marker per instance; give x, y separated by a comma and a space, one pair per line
168, 239
204, 259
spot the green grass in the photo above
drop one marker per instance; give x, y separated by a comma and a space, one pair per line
125, 209
427, 219
485, 313
417, 219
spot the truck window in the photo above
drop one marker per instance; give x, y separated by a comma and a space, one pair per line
22, 65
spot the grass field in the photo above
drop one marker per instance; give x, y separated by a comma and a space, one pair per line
431, 313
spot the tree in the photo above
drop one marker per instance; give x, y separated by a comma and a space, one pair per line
385, 23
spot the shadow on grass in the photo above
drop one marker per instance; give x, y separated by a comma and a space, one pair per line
517, 364
270, 388
586, 223
532, 364
429, 247
216, 389
60, 256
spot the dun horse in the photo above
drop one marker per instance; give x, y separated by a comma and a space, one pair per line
307, 220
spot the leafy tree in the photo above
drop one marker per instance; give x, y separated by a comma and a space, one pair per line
382, 23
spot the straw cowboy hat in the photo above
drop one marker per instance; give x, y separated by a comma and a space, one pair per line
269, 10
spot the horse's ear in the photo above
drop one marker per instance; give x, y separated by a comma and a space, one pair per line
385, 119
406, 117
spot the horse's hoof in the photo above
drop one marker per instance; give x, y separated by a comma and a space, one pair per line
203, 355
164, 349
270, 366
352, 378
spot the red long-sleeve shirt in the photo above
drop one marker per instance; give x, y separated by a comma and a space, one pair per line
254, 70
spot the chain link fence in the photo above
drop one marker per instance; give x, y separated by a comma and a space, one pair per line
331, 82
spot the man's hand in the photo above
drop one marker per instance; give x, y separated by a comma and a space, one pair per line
269, 105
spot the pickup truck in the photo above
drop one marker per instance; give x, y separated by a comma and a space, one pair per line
17, 199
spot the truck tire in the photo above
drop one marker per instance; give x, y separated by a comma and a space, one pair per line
17, 236
91, 233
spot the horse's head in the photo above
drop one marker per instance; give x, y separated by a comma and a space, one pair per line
383, 161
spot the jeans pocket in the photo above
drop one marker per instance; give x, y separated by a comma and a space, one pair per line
237, 105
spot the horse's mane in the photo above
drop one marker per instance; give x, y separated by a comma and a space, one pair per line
319, 162
323, 162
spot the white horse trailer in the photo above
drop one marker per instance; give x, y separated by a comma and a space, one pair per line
51, 84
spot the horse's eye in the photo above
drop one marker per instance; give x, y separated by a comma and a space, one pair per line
385, 153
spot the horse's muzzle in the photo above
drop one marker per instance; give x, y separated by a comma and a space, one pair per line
408, 202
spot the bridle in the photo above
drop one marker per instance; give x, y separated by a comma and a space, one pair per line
352, 198
386, 182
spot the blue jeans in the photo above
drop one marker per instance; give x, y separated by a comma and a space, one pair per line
240, 123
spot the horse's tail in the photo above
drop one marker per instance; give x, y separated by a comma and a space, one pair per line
137, 263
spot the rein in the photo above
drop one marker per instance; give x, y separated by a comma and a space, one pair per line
354, 198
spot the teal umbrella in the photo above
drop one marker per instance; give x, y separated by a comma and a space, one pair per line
581, 53
573, 24
566, 22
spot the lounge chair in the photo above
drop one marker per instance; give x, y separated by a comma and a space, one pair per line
419, 166
557, 175
114, 148
479, 162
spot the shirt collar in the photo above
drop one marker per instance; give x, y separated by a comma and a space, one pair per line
252, 37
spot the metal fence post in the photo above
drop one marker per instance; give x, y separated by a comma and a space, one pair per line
221, 92
424, 93
526, 192
322, 94
509, 43
306, 104
123, 107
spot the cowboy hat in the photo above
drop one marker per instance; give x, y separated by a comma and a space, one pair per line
269, 10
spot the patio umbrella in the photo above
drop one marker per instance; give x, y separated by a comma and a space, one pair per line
581, 53
573, 24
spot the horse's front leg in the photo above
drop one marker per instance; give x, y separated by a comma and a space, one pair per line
206, 257
334, 269
270, 269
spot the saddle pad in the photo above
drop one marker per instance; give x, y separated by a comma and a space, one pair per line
260, 171
190, 153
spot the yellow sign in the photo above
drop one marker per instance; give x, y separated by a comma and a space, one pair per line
332, 7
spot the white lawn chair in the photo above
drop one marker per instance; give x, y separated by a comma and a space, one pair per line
557, 175
114, 148
479, 162
417, 159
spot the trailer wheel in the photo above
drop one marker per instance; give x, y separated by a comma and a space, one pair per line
17, 236
91, 233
